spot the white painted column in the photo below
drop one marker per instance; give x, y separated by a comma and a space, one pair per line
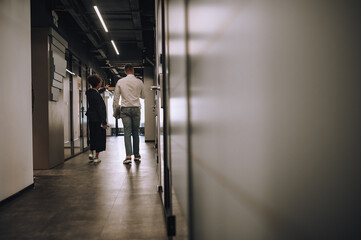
149, 124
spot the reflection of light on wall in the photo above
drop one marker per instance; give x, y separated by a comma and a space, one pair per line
196, 46
176, 19
178, 109
177, 47
177, 29
205, 22
206, 19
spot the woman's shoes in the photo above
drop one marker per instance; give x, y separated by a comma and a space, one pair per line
94, 159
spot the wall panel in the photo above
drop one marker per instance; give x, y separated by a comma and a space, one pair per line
178, 100
275, 119
16, 158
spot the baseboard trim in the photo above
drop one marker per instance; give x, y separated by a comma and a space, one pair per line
15, 195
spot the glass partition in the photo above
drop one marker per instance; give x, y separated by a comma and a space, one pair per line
83, 109
77, 115
75, 107
66, 112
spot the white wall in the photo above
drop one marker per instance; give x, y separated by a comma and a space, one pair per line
178, 115
275, 118
16, 154
178, 101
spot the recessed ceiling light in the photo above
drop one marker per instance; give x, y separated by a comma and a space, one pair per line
100, 18
115, 47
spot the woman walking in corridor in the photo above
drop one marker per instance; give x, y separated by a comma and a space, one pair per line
97, 118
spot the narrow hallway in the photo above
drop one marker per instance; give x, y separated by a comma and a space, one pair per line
81, 200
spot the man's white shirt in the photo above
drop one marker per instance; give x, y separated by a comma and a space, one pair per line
131, 89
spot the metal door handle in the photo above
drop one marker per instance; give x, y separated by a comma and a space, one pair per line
155, 88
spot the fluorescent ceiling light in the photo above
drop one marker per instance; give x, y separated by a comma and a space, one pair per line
115, 47
100, 17
70, 72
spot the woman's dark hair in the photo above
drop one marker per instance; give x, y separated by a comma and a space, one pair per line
94, 80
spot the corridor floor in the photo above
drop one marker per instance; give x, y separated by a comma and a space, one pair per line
79, 200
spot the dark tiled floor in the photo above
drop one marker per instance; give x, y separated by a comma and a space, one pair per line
78, 200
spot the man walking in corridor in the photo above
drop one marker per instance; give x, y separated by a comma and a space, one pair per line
131, 89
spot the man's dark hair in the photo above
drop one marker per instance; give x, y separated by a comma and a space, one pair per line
128, 68
94, 80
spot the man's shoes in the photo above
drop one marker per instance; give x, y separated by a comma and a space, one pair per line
91, 158
127, 161
96, 160
137, 158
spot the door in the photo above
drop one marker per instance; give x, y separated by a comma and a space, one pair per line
158, 144
75, 122
162, 103
83, 109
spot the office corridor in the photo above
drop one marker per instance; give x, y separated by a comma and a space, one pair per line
254, 108
81, 200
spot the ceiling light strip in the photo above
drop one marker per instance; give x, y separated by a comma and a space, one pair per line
100, 18
70, 72
115, 47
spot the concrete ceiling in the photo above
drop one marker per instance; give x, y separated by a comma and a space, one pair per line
130, 25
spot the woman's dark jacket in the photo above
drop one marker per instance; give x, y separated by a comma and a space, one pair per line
97, 110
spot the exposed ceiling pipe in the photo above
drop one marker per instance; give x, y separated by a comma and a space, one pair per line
84, 26
134, 6
148, 60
